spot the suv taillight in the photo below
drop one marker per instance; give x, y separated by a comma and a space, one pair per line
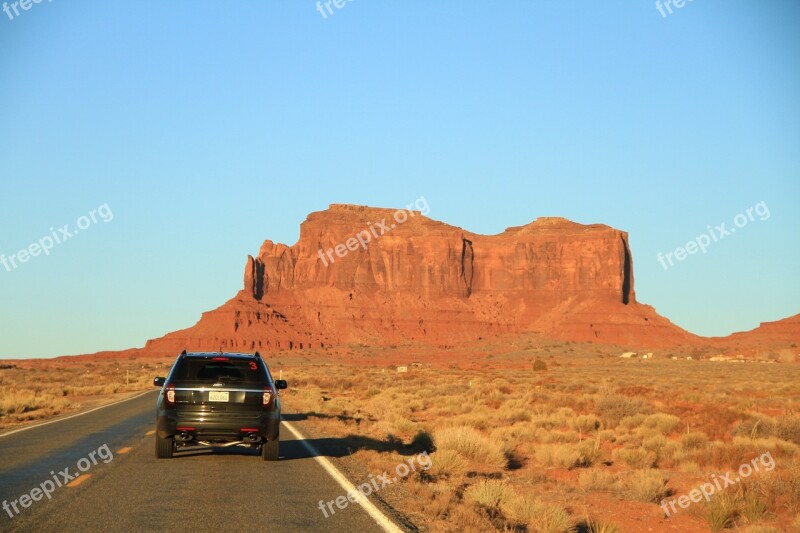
267, 397
169, 395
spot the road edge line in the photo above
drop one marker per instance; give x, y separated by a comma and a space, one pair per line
381, 519
20, 430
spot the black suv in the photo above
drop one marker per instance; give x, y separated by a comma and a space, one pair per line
218, 399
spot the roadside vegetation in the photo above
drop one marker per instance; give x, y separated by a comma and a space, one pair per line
523, 436
35, 389
566, 437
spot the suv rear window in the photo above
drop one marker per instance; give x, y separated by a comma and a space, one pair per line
211, 371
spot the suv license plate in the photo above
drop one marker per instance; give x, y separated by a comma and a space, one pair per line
218, 396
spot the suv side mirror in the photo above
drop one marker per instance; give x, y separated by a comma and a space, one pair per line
159, 382
281, 384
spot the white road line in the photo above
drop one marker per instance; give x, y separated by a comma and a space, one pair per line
75, 415
381, 519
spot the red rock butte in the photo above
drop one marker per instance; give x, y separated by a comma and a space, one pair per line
414, 279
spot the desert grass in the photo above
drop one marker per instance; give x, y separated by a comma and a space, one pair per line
38, 389
472, 445
489, 494
515, 448
587, 426
534, 514
647, 486
595, 480
723, 512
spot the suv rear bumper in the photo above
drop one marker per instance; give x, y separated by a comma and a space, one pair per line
219, 429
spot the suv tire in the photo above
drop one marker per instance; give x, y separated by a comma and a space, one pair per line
164, 448
270, 450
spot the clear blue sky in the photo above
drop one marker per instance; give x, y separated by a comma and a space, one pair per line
208, 127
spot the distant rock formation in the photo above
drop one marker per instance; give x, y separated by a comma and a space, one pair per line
769, 335
544, 261
368, 275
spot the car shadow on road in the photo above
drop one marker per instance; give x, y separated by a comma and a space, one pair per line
195, 451
308, 448
299, 449
292, 449
299, 417
340, 447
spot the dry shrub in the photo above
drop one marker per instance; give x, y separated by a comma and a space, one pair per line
753, 508
468, 519
396, 424
436, 499
614, 407
550, 518
781, 486
489, 494
607, 435
472, 445
550, 419
694, 440
629, 423
648, 486
569, 456
447, 463
722, 512
594, 480
778, 447
512, 416
789, 429
662, 422
19, 405
655, 443
724, 456
589, 454
585, 423
755, 427
635, 457
17, 402
537, 516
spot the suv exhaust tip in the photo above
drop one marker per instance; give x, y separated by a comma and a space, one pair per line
184, 437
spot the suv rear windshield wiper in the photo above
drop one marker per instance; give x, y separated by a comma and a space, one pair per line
230, 378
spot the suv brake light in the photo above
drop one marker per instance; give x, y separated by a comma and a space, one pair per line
267, 397
169, 395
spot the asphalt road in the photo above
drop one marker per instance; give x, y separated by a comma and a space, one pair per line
230, 489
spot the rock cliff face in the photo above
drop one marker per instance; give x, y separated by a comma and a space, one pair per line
379, 276
542, 262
